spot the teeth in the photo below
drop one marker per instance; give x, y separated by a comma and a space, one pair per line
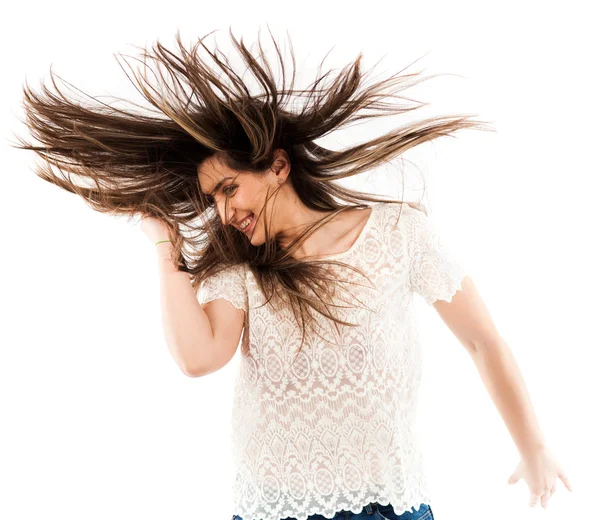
246, 222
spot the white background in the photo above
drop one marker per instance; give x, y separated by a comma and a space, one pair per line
98, 421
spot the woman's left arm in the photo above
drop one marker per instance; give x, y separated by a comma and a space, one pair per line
470, 321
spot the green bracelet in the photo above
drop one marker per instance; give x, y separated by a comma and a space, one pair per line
160, 241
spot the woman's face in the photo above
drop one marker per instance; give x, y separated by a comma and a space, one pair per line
246, 194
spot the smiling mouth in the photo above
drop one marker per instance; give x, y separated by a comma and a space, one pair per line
250, 219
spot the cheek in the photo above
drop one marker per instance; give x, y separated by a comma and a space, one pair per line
257, 191
245, 198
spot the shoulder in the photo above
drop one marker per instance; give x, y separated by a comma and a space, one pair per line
392, 213
230, 272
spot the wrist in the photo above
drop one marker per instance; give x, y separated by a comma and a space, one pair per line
164, 250
534, 450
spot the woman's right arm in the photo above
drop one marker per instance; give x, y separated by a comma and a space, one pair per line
201, 339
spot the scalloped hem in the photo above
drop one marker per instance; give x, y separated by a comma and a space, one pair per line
236, 304
399, 509
451, 290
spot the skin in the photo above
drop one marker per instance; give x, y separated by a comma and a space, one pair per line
288, 216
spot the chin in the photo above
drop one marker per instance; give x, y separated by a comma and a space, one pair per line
255, 241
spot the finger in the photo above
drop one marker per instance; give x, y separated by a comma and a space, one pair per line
566, 482
545, 497
514, 478
533, 500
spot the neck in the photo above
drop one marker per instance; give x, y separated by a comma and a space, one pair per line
291, 218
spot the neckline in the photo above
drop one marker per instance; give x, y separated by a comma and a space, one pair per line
356, 243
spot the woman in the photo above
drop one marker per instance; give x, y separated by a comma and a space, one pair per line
257, 241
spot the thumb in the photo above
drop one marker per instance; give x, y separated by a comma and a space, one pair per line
514, 478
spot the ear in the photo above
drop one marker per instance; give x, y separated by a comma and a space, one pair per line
281, 162
280, 167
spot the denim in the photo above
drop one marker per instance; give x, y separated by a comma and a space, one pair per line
373, 511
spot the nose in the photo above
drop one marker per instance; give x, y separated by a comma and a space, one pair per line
226, 216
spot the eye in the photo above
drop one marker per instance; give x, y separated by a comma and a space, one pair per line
229, 193
227, 190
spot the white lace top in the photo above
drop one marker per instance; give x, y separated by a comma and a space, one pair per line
334, 428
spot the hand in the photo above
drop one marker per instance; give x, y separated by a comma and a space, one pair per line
540, 471
155, 229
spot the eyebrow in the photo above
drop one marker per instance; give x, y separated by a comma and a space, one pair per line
219, 184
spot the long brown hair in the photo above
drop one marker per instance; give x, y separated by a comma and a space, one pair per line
124, 162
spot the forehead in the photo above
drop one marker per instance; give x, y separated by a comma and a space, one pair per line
210, 172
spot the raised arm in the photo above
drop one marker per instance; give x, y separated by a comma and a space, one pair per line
201, 338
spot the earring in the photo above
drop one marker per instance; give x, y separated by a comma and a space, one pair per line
279, 181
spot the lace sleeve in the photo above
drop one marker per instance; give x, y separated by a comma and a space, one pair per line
229, 284
434, 271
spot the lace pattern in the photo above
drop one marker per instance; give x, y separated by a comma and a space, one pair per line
229, 284
333, 428
435, 273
